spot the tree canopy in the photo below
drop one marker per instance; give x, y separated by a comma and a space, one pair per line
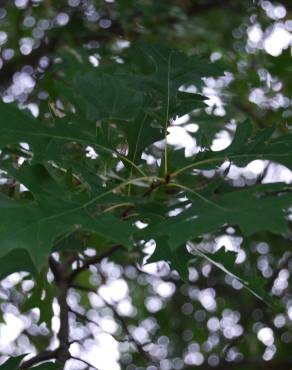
145, 184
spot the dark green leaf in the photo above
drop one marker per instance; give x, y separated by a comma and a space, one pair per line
52, 213
12, 363
253, 209
178, 259
17, 260
104, 97
42, 297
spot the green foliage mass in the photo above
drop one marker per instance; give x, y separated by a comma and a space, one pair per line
94, 171
144, 94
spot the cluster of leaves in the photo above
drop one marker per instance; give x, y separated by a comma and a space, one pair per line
126, 109
97, 167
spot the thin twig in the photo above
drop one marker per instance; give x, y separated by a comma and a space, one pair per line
138, 345
83, 317
152, 187
85, 362
92, 261
263, 174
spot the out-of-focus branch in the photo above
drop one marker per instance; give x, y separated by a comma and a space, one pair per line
83, 318
84, 362
60, 273
119, 318
243, 108
92, 261
250, 363
197, 9
51, 43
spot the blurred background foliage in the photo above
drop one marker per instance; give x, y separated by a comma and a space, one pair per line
152, 319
